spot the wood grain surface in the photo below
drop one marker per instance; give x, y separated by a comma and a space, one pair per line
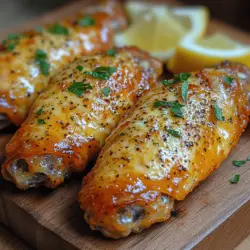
215, 216
10, 242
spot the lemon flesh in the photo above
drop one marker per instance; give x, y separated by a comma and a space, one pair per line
208, 52
155, 32
159, 29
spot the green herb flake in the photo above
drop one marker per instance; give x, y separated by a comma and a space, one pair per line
58, 29
218, 112
184, 91
177, 111
86, 21
173, 132
78, 88
102, 73
14, 36
41, 121
11, 41
11, 46
228, 80
45, 67
79, 67
235, 179
106, 91
122, 134
248, 158
111, 52
40, 57
168, 82
39, 111
182, 77
175, 107
238, 163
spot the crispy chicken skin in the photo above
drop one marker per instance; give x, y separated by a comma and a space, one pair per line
154, 157
64, 131
20, 73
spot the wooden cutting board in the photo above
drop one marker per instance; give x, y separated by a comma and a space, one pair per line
215, 216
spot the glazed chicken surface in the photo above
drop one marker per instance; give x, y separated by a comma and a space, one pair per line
68, 123
174, 138
29, 59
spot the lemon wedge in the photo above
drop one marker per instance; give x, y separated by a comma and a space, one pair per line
158, 29
190, 56
136, 10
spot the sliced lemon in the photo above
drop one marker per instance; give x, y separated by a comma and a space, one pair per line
191, 56
156, 32
194, 19
158, 29
136, 10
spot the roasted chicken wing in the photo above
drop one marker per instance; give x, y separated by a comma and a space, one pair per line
174, 138
28, 60
70, 120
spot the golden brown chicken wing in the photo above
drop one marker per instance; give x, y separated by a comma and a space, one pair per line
68, 123
28, 60
172, 139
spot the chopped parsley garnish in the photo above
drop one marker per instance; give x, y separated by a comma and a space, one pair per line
235, 179
14, 36
102, 73
175, 107
177, 111
40, 55
40, 58
184, 91
45, 66
39, 111
11, 41
111, 52
228, 80
86, 21
58, 29
238, 163
11, 46
168, 82
182, 77
218, 112
106, 91
79, 67
122, 134
78, 88
173, 132
248, 158
41, 121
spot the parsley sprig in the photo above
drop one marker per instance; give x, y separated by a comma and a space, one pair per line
39, 111
11, 41
175, 107
86, 21
106, 91
58, 29
41, 59
218, 112
182, 77
78, 88
111, 52
173, 132
102, 73
41, 121
235, 179
228, 80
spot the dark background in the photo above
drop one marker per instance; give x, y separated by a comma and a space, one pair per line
15, 12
